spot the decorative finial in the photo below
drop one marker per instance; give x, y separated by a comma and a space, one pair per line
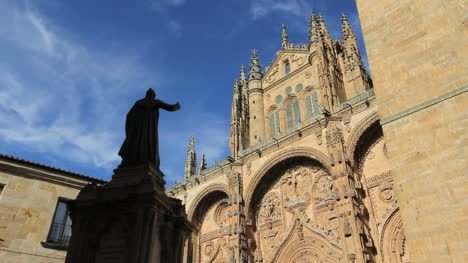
284, 37
242, 73
202, 164
255, 67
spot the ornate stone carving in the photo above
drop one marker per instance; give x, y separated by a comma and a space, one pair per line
222, 215
272, 76
325, 190
293, 184
270, 208
347, 231
209, 249
386, 192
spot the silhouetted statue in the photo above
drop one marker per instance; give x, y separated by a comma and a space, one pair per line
141, 145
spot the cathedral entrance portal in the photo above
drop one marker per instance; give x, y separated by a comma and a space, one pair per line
292, 221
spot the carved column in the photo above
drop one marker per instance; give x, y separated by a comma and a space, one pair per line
237, 234
350, 209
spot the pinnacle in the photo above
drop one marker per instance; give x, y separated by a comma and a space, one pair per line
242, 73
255, 71
284, 37
191, 159
346, 31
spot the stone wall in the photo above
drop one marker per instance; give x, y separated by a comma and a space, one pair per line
417, 54
27, 205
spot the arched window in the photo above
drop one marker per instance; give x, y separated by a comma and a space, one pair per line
293, 113
287, 67
312, 105
274, 123
299, 88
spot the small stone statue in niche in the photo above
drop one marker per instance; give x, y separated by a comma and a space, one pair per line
141, 145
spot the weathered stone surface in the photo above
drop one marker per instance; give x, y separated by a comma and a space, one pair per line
417, 53
27, 205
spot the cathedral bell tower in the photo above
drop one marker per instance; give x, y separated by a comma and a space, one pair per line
255, 91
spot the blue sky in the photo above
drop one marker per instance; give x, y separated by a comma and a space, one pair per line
71, 70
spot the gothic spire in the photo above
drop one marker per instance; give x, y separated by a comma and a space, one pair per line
191, 159
255, 67
323, 28
284, 37
314, 34
346, 30
236, 86
236, 100
202, 165
242, 73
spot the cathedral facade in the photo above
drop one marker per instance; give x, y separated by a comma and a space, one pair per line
308, 178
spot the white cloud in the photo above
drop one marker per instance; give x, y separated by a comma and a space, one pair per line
46, 36
262, 8
50, 86
163, 8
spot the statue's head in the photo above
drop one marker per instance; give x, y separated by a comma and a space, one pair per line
150, 94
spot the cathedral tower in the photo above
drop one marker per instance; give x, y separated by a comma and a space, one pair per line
255, 91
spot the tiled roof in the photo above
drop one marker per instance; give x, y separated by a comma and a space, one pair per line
50, 168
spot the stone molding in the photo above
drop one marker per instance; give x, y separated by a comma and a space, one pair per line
298, 152
203, 193
44, 175
357, 133
426, 104
278, 55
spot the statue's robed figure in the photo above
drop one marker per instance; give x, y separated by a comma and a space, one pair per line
141, 145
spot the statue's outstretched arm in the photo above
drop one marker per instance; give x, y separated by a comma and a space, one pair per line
168, 107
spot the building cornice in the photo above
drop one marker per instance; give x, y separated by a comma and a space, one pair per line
25, 168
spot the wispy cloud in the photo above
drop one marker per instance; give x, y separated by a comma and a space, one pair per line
49, 85
163, 9
261, 8
211, 132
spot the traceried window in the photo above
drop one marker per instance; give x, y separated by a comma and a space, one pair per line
287, 67
293, 114
312, 105
274, 123
60, 230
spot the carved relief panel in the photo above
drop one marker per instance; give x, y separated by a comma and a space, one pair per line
296, 195
386, 223
213, 234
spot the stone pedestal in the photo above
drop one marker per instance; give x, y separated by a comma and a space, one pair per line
128, 220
